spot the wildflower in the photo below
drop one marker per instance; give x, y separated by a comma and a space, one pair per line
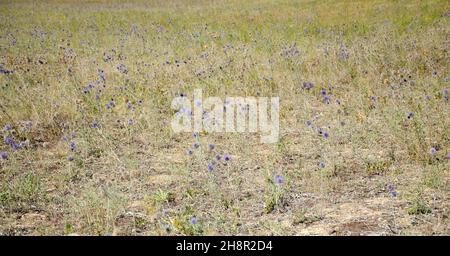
308, 85
278, 180
193, 220
7, 128
110, 104
72, 146
338, 102
195, 135
101, 75
196, 145
94, 125
211, 146
326, 135
390, 187
448, 155
122, 68
8, 140
130, 122
218, 157
433, 151
323, 92
16, 146
394, 194
69, 158
3, 155
190, 152
446, 94
326, 99
321, 165
373, 98
210, 167
227, 158
308, 123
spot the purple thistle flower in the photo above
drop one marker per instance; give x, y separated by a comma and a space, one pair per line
8, 140
308, 85
69, 158
7, 128
390, 187
122, 68
373, 98
394, 194
326, 99
195, 135
321, 165
101, 74
130, 122
16, 146
72, 146
196, 145
433, 151
190, 152
308, 123
326, 135
338, 102
94, 125
448, 155
218, 157
210, 167
278, 179
227, 158
193, 220
323, 92
3, 155
211, 146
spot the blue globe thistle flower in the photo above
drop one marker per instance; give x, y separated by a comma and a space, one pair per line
278, 179
190, 152
130, 122
433, 151
308, 85
196, 145
15, 146
338, 102
94, 125
227, 158
394, 194
3, 155
193, 220
448, 155
323, 92
122, 68
326, 135
210, 167
390, 187
321, 165
326, 99
211, 146
7, 128
373, 98
72, 146
69, 158
8, 140
308, 123
218, 157
195, 135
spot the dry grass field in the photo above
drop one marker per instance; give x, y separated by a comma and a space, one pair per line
85, 110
